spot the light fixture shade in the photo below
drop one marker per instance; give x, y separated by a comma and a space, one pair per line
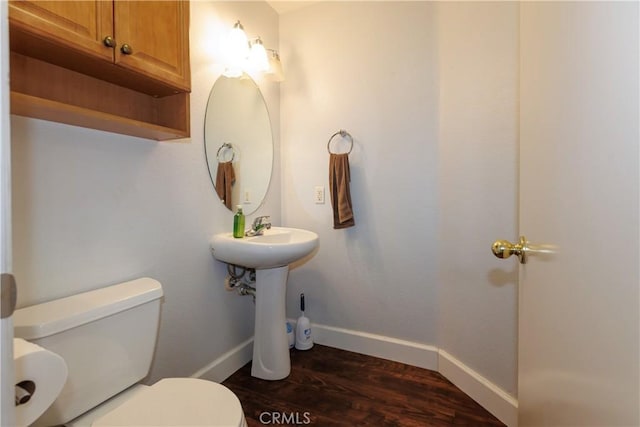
238, 39
276, 73
258, 57
237, 50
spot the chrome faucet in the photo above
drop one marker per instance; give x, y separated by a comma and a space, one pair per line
260, 224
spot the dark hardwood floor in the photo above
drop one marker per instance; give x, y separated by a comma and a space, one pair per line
331, 387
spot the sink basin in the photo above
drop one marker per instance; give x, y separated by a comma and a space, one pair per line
277, 247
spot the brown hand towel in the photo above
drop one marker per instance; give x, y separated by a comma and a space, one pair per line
225, 177
339, 178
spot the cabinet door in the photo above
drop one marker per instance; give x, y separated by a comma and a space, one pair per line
157, 36
79, 25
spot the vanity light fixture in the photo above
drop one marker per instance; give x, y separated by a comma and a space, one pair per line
250, 57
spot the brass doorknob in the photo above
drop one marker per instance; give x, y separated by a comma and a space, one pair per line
109, 41
504, 249
126, 49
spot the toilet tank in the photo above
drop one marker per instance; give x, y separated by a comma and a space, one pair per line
107, 338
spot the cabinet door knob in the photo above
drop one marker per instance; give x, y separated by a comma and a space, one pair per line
126, 49
109, 41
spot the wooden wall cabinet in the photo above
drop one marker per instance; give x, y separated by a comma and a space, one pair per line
120, 66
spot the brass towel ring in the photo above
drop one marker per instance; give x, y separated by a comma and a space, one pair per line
343, 133
226, 146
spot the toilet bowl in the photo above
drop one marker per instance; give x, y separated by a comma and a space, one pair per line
107, 339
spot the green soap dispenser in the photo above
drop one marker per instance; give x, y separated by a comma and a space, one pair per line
238, 223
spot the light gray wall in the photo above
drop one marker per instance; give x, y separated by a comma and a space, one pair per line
478, 170
370, 68
92, 208
429, 92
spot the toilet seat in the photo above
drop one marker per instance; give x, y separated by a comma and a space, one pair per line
178, 402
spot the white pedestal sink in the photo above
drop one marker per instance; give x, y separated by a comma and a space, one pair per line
270, 254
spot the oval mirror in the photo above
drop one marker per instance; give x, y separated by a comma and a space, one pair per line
238, 143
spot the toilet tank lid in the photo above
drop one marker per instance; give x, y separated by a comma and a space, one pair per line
43, 320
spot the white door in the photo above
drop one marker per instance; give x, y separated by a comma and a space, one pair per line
7, 413
579, 183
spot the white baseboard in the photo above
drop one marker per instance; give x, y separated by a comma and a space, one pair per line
411, 353
224, 366
495, 400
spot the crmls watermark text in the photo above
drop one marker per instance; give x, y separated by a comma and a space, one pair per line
285, 418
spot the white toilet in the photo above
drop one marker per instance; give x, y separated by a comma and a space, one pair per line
107, 338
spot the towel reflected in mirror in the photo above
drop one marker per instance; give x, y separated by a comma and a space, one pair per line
225, 177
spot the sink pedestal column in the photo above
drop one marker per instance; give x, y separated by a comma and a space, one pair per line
270, 344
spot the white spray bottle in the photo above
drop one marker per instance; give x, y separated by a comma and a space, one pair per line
303, 329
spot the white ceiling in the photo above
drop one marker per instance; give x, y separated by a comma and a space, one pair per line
284, 6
